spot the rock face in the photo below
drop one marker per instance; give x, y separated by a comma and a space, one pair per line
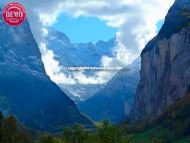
165, 67
115, 99
25, 89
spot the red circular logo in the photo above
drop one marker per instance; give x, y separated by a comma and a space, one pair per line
14, 14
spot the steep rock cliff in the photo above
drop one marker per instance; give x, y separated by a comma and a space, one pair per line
165, 68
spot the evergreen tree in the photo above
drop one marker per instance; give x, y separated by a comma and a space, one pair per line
47, 138
1, 126
67, 135
79, 133
109, 134
9, 130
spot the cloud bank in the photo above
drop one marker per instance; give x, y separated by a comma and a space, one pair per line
135, 19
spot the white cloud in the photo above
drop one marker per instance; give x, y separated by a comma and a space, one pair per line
52, 66
135, 19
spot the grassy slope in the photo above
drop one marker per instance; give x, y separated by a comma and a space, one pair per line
173, 126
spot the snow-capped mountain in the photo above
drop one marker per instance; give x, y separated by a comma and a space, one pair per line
82, 54
71, 54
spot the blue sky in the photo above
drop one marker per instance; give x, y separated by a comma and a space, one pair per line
159, 24
84, 29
